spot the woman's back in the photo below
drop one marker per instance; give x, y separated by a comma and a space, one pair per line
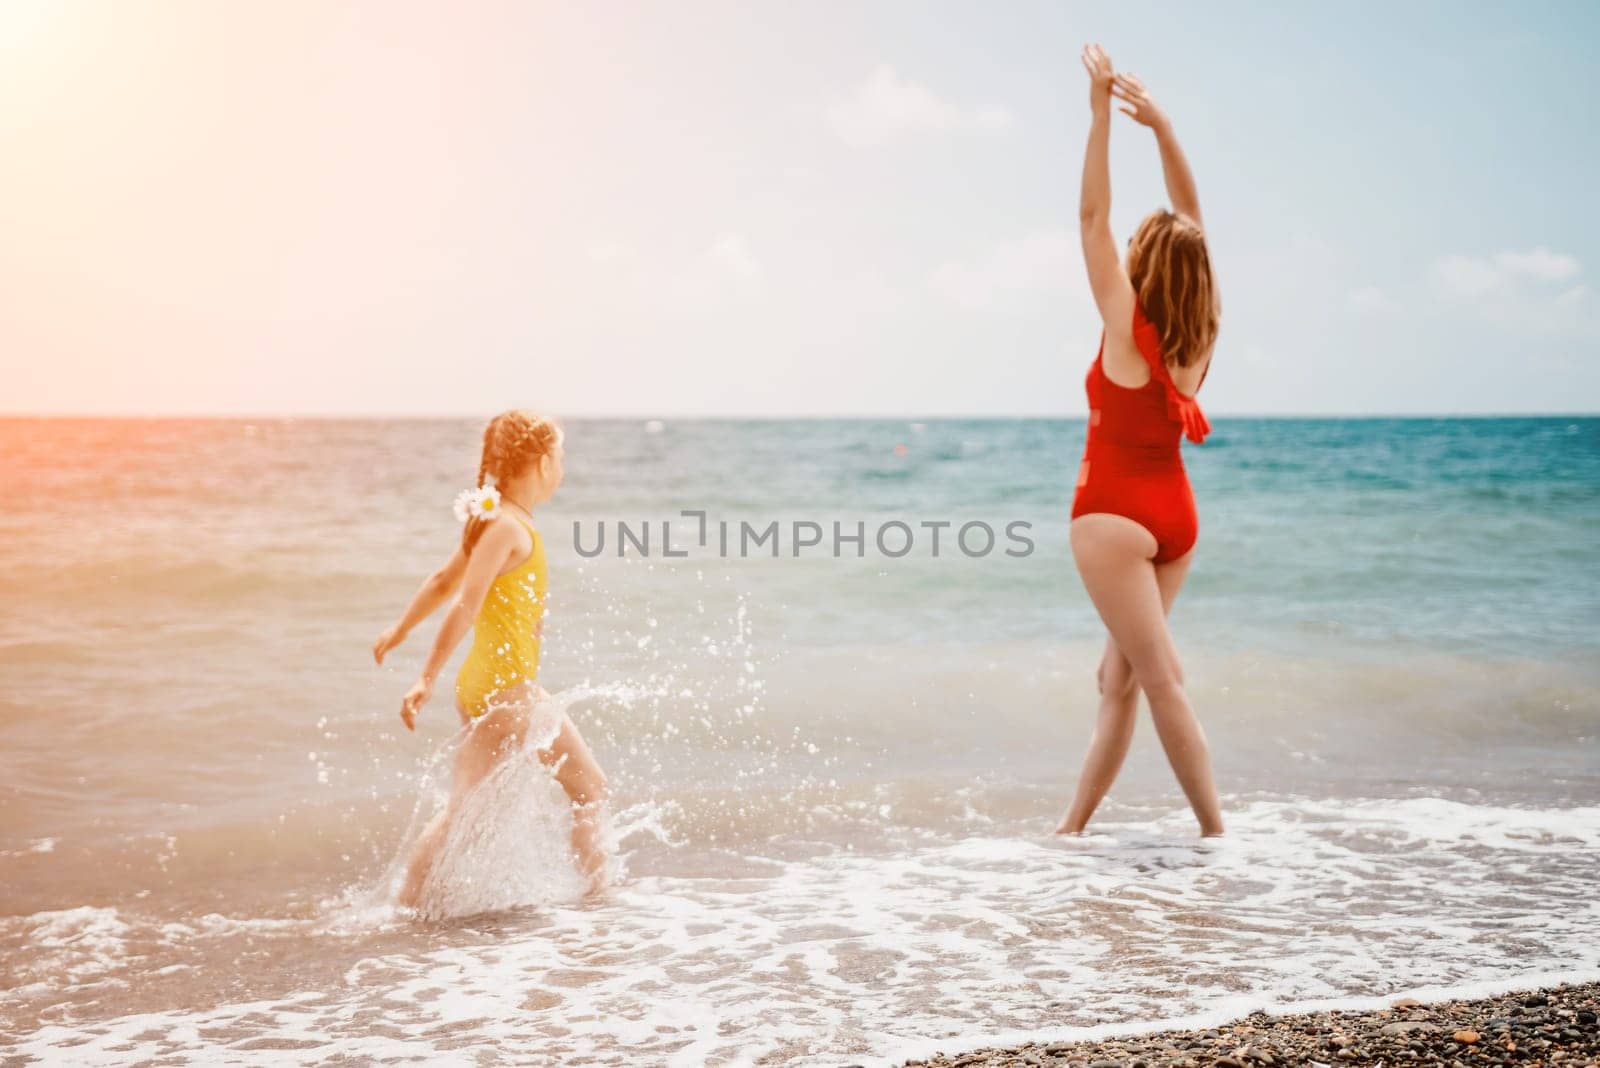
1150, 417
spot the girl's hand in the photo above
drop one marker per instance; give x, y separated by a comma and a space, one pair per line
1144, 111
413, 701
1098, 64
386, 641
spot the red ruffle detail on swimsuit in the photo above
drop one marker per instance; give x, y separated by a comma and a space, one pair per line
1186, 410
1182, 410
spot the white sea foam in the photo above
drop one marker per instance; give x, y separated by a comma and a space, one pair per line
856, 955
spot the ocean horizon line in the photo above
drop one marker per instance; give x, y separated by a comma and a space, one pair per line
724, 417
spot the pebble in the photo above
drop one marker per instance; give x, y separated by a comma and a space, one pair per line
1405, 1027
1468, 1037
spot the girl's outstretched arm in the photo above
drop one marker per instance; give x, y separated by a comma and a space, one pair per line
1174, 165
435, 591
1113, 293
491, 553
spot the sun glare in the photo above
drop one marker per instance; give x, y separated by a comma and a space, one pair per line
25, 26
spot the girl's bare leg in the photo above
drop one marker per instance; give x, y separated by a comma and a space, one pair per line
569, 760
1119, 704
497, 732
574, 767
1113, 556
473, 761
423, 854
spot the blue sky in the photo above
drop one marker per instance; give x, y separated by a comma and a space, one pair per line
765, 208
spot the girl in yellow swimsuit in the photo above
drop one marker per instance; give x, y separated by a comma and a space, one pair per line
497, 580
505, 636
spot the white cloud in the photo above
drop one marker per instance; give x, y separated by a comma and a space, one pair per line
1538, 291
1255, 356
609, 252
1476, 275
1369, 300
1541, 263
1011, 270
730, 253
886, 106
1467, 275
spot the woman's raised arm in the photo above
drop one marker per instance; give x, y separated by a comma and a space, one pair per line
1174, 165
1108, 279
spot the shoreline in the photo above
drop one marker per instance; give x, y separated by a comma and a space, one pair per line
1552, 1024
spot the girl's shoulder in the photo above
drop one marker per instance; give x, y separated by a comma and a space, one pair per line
523, 528
504, 530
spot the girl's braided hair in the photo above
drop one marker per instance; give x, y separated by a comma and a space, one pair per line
512, 442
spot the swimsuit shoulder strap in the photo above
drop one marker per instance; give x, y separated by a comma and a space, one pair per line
1184, 409
533, 552
532, 533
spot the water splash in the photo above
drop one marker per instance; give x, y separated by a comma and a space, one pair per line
509, 840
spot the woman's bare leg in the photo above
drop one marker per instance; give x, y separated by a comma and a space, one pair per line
1108, 745
1113, 555
1119, 705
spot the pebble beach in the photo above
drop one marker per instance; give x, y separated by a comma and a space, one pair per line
1556, 1025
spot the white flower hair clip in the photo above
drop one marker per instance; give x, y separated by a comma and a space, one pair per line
480, 503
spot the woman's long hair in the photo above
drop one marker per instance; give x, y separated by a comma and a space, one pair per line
1171, 273
512, 442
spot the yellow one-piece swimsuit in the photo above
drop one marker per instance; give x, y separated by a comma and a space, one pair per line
505, 636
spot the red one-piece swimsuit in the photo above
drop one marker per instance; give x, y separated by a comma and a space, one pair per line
1131, 462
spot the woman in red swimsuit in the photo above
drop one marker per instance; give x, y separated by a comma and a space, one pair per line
1133, 514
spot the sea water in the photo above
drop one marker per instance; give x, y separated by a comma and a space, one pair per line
833, 770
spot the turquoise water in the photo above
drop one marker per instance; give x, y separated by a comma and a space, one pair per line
1455, 534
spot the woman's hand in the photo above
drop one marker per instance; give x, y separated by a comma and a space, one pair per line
413, 701
1144, 111
386, 641
1098, 64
